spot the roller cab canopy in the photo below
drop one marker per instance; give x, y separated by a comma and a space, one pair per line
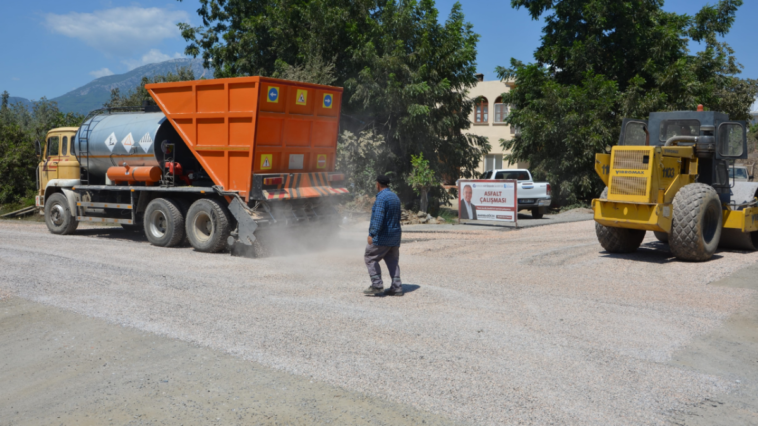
237, 127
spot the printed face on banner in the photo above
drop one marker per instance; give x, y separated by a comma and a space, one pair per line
487, 201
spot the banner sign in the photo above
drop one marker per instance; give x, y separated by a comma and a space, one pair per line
487, 200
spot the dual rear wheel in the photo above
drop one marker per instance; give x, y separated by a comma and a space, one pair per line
205, 224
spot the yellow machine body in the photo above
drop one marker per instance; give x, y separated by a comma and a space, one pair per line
642, 182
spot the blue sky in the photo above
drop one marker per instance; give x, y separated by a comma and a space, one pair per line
51, 46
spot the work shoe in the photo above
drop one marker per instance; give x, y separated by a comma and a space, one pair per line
392, 292
373, 290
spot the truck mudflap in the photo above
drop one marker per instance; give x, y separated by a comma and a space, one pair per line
292, 186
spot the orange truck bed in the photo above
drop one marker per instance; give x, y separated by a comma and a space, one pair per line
238, 127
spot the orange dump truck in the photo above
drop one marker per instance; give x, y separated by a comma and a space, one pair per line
216, 161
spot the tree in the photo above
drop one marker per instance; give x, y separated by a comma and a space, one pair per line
602, 61
405, 74
421, 179
19, 129
139, 95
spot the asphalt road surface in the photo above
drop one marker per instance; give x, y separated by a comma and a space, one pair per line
535, 326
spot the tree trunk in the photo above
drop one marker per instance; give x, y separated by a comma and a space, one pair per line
424, 200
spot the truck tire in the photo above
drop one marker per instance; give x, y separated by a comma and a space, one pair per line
58, 215
164, 223
696, 228
662, 236
208, 225
618, 240
537, 213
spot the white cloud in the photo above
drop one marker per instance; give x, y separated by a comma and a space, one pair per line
121, 30
151, 57
15, 79
105, 72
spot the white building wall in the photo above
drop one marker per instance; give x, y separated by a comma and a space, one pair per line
494, 131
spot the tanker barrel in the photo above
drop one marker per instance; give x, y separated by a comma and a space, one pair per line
123, 138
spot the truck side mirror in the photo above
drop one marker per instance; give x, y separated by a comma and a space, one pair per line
38, 147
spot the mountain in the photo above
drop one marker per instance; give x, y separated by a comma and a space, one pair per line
93, 95
23, 101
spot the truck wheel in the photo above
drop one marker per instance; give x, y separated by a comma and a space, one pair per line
537, 213
58, 215
163, 223
618, 240
662, 236
696, 228
208, 225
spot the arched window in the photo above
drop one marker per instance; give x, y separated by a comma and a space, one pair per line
481, 110
501, 110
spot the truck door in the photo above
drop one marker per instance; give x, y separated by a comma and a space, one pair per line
51, 157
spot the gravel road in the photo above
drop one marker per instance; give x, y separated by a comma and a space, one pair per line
537, 326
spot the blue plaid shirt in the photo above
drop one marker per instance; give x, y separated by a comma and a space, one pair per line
385, 219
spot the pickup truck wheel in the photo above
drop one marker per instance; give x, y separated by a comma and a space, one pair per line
164, 223
618, 240
208, 225
58, 215
537, 213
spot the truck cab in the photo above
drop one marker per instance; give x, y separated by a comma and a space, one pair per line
58, 166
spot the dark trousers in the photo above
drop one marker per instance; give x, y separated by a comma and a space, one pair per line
391, 255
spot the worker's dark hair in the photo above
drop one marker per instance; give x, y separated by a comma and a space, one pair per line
383, 180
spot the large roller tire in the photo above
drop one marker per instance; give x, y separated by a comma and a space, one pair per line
164, 223
618, 240
58, 215
662, 236
208, 225
696, 228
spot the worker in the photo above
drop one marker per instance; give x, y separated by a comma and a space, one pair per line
384, 240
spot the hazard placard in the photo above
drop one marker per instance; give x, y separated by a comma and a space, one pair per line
302, 97
111, 141
321, 161
267, 161
128, 143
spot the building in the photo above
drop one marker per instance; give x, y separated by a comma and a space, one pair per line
487, 120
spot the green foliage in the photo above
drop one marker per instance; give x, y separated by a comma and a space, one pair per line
602, 61
405, 74
358, 157
19, 129
140, 95
421, 178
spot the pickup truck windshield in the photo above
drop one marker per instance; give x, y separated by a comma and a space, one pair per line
514, 174
738, 173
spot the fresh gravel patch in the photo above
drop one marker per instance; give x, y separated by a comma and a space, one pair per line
537, 326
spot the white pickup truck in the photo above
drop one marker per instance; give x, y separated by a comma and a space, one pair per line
534, 196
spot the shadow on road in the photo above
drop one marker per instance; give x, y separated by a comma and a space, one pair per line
653, 252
